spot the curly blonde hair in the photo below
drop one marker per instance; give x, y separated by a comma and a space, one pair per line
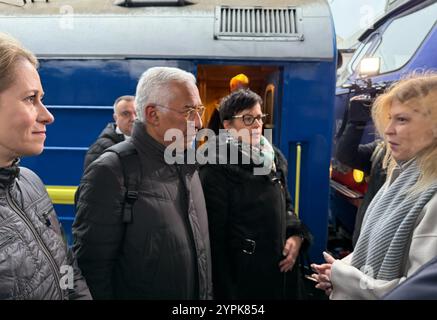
11, 51
418, 92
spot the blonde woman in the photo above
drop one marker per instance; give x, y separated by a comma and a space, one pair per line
33, 256
399, 232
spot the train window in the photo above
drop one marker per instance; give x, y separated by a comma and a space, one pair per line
269, 106
403, 37
360, 53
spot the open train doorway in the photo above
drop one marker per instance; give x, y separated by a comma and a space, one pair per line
214, 84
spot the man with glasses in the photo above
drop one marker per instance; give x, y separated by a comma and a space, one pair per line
115, 132
145, 235
193, 122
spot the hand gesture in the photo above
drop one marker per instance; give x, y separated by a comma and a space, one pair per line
323, 275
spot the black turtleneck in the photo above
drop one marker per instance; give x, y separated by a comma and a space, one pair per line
8, 175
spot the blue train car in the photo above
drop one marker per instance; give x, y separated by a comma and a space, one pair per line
91, 54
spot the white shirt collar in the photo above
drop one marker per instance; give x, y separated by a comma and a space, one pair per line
117, 130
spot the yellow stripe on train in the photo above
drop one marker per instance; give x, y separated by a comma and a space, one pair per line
62, 194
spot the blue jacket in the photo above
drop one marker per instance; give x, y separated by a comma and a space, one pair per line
422, 285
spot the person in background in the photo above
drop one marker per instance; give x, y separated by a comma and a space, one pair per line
115, 132
366, 157
33, 255
159, 249
255, 235
399, 232
240, 81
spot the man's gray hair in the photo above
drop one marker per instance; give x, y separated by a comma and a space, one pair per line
122, 98
153, 87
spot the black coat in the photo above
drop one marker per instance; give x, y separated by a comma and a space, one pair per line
107, 138
251, 213
366, 157
33, 254
164, 252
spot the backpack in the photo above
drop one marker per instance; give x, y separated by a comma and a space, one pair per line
130, 163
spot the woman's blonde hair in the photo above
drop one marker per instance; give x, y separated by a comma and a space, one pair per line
419, 92
11, 51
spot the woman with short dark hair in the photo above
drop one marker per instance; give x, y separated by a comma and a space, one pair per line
255, 235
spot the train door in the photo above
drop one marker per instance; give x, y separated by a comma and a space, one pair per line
214, 85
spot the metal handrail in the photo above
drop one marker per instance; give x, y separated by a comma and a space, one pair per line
297, 182
62, 194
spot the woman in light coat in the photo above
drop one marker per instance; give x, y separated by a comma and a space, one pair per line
399, 232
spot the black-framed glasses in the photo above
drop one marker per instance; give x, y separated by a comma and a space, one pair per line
249, 119
189, 112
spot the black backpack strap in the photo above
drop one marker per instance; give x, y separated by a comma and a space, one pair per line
130, 162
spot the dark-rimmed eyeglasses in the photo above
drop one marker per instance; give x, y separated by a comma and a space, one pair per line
189, 112
249, 119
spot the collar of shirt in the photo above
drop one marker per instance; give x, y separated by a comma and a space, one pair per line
118, 131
